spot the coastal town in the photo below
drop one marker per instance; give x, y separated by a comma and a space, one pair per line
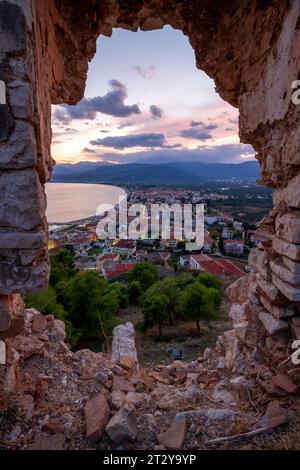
227, 238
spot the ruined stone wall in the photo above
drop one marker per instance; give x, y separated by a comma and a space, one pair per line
249, 47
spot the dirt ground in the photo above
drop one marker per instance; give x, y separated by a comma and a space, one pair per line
153, 349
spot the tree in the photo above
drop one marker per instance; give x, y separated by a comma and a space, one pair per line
85, 301
145, 273
135, 292
184, 280
155, 311
209, 280
46, 303
199, 303
62, 267
121, 292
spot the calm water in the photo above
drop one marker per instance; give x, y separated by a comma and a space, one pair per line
73, 201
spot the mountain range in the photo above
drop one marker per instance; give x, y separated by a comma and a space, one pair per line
175, 173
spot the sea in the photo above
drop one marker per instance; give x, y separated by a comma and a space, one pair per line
67, 202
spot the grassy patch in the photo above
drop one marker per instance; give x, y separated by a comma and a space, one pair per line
153, 349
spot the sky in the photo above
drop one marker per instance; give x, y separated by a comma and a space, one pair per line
145, 101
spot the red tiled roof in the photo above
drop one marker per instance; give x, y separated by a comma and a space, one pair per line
119, 270
107, 256
218, 266
129, 244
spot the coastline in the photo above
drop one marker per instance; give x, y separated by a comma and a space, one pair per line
82, 195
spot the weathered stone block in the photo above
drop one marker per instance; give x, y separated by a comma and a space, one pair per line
285, 248
288, 227
269, 289
238, 290
122, 426
20, 150
289, 195
289, 290
22, 240
5, 312
123, 343
6, 123
241, 329
277, 310
237, 313
12, 28
292, 265
259, 262
22, 200
14, 277
96, 417
20, 99
286, 274
11, 315
271, 324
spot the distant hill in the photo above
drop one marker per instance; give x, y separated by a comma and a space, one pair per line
179, 173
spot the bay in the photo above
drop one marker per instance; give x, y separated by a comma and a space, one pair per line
67, 202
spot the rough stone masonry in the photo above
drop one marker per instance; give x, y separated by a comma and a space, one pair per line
250, 48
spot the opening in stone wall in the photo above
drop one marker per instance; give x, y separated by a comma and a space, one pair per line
150, 125
147, 303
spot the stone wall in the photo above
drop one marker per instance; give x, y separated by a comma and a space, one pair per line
248, 47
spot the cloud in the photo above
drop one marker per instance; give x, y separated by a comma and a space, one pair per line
113, 104
208, 127
146, 71
227, 153
195, 133
198, 130
87, 150
156, 112
134, 140
126, 124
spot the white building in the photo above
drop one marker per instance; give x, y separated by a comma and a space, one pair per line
234, 246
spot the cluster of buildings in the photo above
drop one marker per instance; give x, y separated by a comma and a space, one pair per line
223, 236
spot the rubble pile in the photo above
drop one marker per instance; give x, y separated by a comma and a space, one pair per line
53, 398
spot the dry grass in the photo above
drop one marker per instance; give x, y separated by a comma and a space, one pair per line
153, 349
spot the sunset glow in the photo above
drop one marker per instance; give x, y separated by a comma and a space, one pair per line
145, 99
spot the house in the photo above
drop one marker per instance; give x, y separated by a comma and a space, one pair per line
141, 255
184, 261
227, 233
234, 246
254, 237
105, 257
238, 226
126, 248
211, 219
57, 239
205, 263
85, 263
153, 258
208, 242
117, 270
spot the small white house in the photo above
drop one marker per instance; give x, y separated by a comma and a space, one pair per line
234, 246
